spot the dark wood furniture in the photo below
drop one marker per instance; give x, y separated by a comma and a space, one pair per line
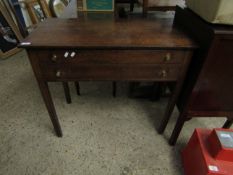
131, 2
146, 7
207, 91
109, 50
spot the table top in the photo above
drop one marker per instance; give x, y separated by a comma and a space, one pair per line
132, 32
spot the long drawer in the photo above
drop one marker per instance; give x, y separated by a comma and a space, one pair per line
113, 56
114, 72
159, 65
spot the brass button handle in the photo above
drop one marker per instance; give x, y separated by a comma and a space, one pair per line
54, 58
58, 74
167, 57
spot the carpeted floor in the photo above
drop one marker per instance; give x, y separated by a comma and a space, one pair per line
102, 135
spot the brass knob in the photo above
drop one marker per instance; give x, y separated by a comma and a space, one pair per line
163, 73
54, 58
167, 57
58, 74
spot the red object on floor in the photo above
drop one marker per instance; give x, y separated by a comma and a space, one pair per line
209, 152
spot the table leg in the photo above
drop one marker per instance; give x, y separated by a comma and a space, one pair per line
228, 123
114, 89
34, 57
169, 109
44, 89
178, 128
131, 5
144, 8
77, 87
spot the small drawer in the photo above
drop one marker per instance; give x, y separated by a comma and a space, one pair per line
144, 72
113, 56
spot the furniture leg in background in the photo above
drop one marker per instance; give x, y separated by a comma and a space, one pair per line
131, 3
183, 117
67, 92
228, 123
77, 87
178, 127
114, 86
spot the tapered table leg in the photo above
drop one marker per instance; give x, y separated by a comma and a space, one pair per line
176, 131
44, 89
228, 123
169, 109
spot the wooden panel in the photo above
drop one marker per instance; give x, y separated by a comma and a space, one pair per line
208, 86
213, 91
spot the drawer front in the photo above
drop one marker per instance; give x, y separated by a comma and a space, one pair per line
159, 65
144, 72
113, 57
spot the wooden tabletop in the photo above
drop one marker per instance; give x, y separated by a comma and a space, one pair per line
133, 32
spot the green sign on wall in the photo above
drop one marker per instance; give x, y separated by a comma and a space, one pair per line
98, 5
